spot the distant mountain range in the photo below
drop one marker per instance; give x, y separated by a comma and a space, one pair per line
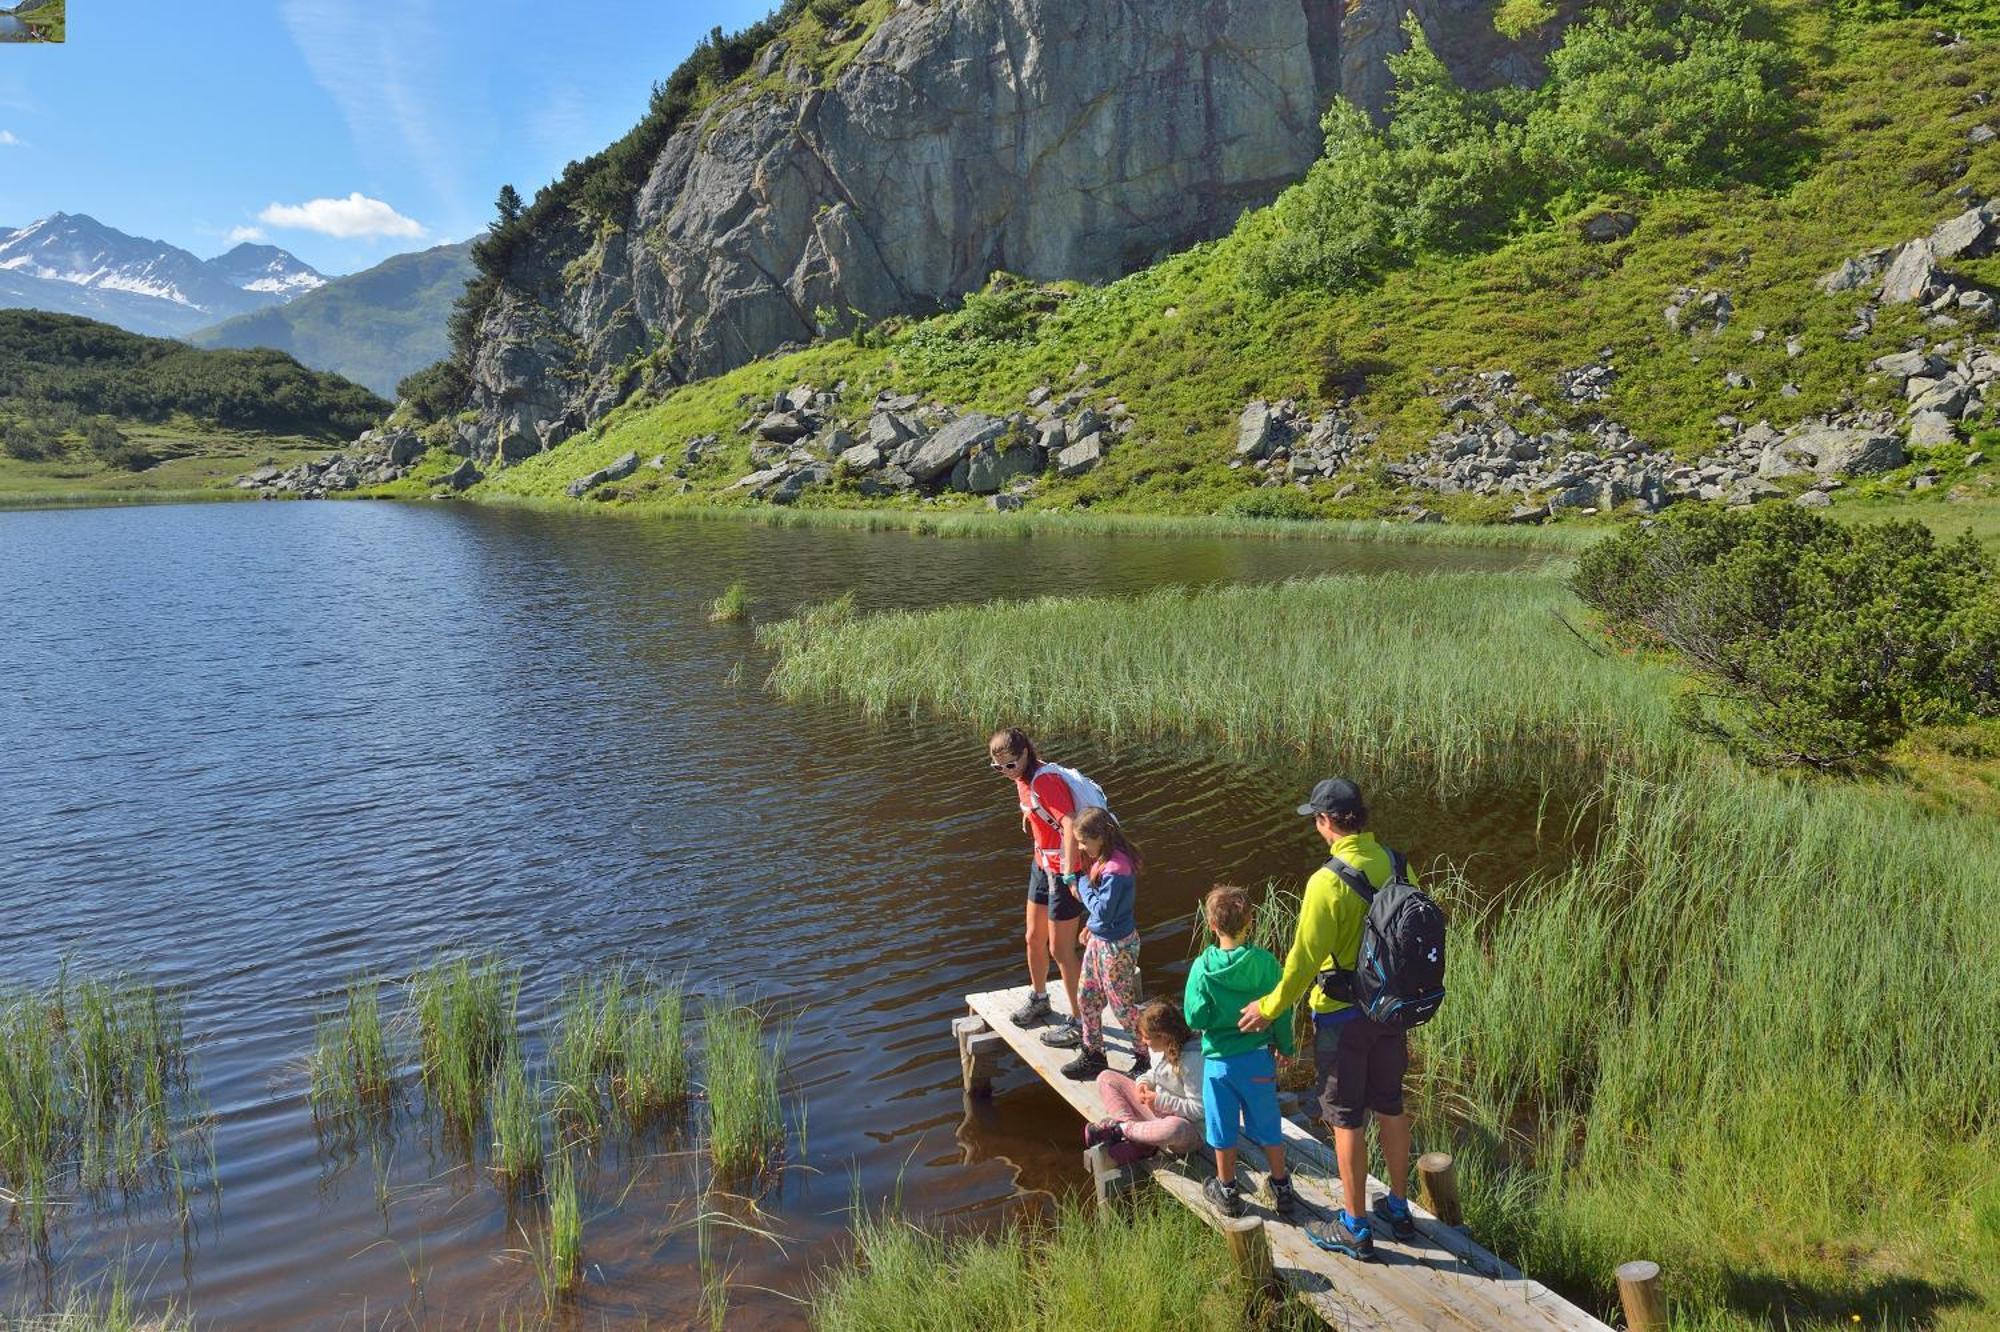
374, 327
69, 263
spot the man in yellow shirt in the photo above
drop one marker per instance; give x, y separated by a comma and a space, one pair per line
1359, 1062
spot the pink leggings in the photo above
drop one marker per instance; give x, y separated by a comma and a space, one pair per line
1169, 1133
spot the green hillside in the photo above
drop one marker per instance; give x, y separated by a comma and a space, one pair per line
374, 327
86, 408
1740, 140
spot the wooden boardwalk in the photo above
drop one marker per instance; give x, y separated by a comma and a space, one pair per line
1442, 1280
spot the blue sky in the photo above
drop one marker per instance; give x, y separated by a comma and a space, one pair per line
198, 122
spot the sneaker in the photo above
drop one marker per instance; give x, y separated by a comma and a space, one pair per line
1284, 1198
1033, 1013
1142, 1063
1086, 1066
1224, 1198
1104, 1131
1345, 1235
1394, 1213
1063, 1033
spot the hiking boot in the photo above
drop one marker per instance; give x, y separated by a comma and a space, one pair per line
1086, 1066
1064, 1033
1224, 1198
1285, 1199
1395, 1216
1345, 1235
1141, 1063
1033, 1013
1102, 1132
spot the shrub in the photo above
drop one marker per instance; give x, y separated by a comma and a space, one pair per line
1822, 644
1281, 502
30, 440
435, 391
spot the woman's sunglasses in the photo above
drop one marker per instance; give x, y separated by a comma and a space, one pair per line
1008, 766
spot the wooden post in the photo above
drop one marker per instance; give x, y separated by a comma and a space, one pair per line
1639, 1292
978, 1054
1440, 1180
1112, 1182
1251, 1250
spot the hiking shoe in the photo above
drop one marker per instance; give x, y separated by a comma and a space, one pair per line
1063, 1033
1087, 1065
1285, 1199
1141, 1063
1105, 1131
1345, 1235
1394, 1213
1224, 1198
1033, 1013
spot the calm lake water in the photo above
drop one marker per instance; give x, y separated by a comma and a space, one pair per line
253, 750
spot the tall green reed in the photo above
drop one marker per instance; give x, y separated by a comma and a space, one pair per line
657, 1074
353, 1071
746, 1125
464, 1017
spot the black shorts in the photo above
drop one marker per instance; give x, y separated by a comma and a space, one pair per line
1360, 1064
1045, 889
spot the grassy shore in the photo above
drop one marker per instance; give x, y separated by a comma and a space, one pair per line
1749, 1036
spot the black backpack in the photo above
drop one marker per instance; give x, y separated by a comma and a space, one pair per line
1398, 977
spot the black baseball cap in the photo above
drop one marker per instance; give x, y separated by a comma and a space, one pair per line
1335, 795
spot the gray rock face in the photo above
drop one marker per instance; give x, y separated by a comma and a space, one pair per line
1929, 429
990, 469
1850, 452
1970, 235
1910, 274
1081, 456
1044, 137
1256, 431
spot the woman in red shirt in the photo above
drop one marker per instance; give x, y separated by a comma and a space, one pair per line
1055, 912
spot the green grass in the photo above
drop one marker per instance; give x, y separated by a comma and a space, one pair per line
1164, 1270
656, 1076
1451, 678
732, 605
353, 1070
197, 462
588, 1049
516, 1119
1734, 1036
746, 1125
106, 1305
558, 1249
464, 1016
96, 1097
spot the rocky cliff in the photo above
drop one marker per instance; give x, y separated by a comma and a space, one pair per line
1052, 138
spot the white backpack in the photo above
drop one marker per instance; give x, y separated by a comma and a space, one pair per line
1081, 790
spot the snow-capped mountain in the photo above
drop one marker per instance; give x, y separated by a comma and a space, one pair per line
73, 264
265, 268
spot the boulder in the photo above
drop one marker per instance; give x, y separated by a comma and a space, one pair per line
1814, 499
1052, 437
1081, 456
1609, 225
400, 448
1929, 429
461, 476
1751, 489
1838, 452
886, 430
989, 468
1937, 395
783, 427
863, 457
757, 482
948, 447
1905, 364
1970, 235
789, 489
890, 480
616, 471
1912, 273
1852, 275
1004, 503
1256, 431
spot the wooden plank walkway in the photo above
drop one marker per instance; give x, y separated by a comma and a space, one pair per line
1442, 1280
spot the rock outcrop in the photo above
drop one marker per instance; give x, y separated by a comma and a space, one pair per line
1042, 137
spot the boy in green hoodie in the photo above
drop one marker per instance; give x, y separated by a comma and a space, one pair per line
1239, 1086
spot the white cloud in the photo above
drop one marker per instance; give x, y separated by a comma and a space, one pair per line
241, 235
355, 216
7, 139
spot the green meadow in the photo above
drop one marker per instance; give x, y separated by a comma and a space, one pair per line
1747, 1034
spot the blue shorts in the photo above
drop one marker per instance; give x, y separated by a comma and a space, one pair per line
1239, 1095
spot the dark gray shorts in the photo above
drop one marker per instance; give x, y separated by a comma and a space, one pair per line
1046, 889
1360, 1065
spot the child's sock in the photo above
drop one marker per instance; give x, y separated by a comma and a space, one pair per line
1356, 1225
1396, 1207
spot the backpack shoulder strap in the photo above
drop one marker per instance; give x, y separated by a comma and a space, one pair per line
1353, 878
1399, 867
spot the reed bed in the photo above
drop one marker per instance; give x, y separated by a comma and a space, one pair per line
588, 1050
464, 1016
1749, 1035
732, 605
96, 1096
657, 1075
516, 1119
746, 1124
107, 1305
1447, 680
558, 1250
1163, 1271
353, 1071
